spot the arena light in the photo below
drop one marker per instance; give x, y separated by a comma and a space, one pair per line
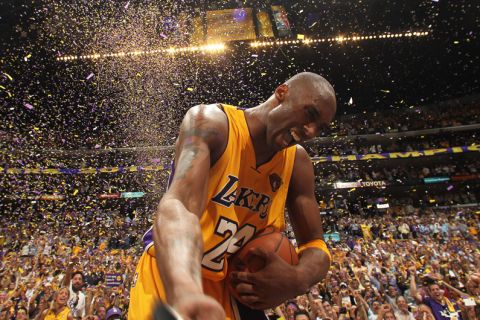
210, 48
338, 39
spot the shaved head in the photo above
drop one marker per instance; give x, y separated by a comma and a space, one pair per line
312, 83
309, 84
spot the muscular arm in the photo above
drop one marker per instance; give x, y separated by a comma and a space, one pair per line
177, 233
307, 224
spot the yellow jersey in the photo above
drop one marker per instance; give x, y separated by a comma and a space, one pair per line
63, 315
243, 198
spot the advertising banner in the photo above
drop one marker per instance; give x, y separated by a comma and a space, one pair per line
281, 21
264, 25
230, 25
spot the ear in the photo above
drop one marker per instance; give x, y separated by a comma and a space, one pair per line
281, 92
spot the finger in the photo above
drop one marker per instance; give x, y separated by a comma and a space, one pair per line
249, 300
257, 252
244, 289
257, 305
241, 276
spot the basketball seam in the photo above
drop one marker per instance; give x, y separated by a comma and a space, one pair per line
264, 234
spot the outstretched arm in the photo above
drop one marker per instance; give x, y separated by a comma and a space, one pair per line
177, 233
413, 286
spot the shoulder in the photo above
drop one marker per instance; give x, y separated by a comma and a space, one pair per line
206, 114
303, 163
301, 154
427, 300
208, 123
302, 178
209, 117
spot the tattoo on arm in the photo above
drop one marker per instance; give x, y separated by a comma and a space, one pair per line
191, 150
189, 154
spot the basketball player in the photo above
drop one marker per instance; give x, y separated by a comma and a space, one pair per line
235, 172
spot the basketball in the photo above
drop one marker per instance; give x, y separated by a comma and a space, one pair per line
269, 240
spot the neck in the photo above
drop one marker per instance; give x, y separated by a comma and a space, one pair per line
256, 119
439, 300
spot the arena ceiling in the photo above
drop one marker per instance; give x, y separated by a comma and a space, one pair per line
139, 101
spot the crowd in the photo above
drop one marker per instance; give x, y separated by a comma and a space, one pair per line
448, 114
401, 265
406, 144
75, 259
83, 262
401, 172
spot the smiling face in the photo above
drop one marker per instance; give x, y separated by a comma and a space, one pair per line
62, 296
306, 106
435, 292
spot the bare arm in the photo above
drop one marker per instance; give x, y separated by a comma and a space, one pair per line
460, 293
413, 286
177, 233
68, 274
41, 315
305, 217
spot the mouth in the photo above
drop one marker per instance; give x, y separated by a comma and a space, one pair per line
290, 138
296, 137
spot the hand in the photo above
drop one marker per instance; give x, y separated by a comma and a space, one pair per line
356, 295
384, 308
268, 287
199, 307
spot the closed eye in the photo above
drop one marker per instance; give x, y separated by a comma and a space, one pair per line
312, 114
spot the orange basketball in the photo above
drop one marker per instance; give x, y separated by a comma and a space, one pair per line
271, 241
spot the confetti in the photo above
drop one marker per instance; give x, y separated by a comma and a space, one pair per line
28, 106
8, 76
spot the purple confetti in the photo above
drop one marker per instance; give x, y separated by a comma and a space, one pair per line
90, 76
163, 35
126, 6
450, 187
28, 106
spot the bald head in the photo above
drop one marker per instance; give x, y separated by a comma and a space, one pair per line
312, 86
299, 110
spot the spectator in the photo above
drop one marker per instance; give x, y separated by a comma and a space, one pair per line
58, 309
301, 315
75, 283
114, 314
402, 312
442, 307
